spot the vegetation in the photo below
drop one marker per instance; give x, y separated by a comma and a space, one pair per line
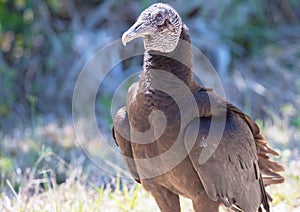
254, 45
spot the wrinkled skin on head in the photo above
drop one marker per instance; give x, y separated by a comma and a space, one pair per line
160, 27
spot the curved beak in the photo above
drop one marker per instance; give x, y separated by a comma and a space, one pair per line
139, 29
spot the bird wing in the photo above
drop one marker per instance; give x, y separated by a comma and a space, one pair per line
231, 175
210, 104
121, 135
269, 169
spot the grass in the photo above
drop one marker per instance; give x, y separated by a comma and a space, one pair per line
286, 196
75, 196
40, 186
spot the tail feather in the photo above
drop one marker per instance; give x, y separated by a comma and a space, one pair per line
269, 169
263, 148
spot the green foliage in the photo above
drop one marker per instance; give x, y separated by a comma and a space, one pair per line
126, 198
6, 165
8, 96
260, 123
14, 15
244, 22
296, 122
55, 6
38, 41
16, 19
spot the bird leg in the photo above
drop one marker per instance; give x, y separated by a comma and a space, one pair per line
166, 200
202, 203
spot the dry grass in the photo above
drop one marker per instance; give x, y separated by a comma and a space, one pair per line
39, 189
75, 196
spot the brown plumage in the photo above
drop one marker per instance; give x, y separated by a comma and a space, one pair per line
161, 139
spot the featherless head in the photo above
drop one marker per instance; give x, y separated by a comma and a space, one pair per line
160, 27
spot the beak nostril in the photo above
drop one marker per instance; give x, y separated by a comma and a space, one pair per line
134, 32
137, 27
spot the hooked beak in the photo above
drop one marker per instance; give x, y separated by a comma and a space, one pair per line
139, 29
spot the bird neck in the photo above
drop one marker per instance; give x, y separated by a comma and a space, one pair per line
159, 67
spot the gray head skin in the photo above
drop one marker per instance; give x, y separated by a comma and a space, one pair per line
160, 27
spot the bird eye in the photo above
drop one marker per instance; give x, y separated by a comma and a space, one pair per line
158, 17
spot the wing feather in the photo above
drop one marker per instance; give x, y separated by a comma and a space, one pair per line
121, 134
233, 174
210, 104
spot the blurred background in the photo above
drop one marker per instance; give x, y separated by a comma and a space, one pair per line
254, 46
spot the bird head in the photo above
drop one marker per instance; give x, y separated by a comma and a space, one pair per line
159, 25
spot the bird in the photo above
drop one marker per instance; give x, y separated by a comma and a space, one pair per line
178, 138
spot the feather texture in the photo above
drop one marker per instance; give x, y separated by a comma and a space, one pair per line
161, 139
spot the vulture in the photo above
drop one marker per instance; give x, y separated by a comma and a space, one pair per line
179, 138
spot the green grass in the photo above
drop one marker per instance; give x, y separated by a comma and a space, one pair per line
75, 196
43, 170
